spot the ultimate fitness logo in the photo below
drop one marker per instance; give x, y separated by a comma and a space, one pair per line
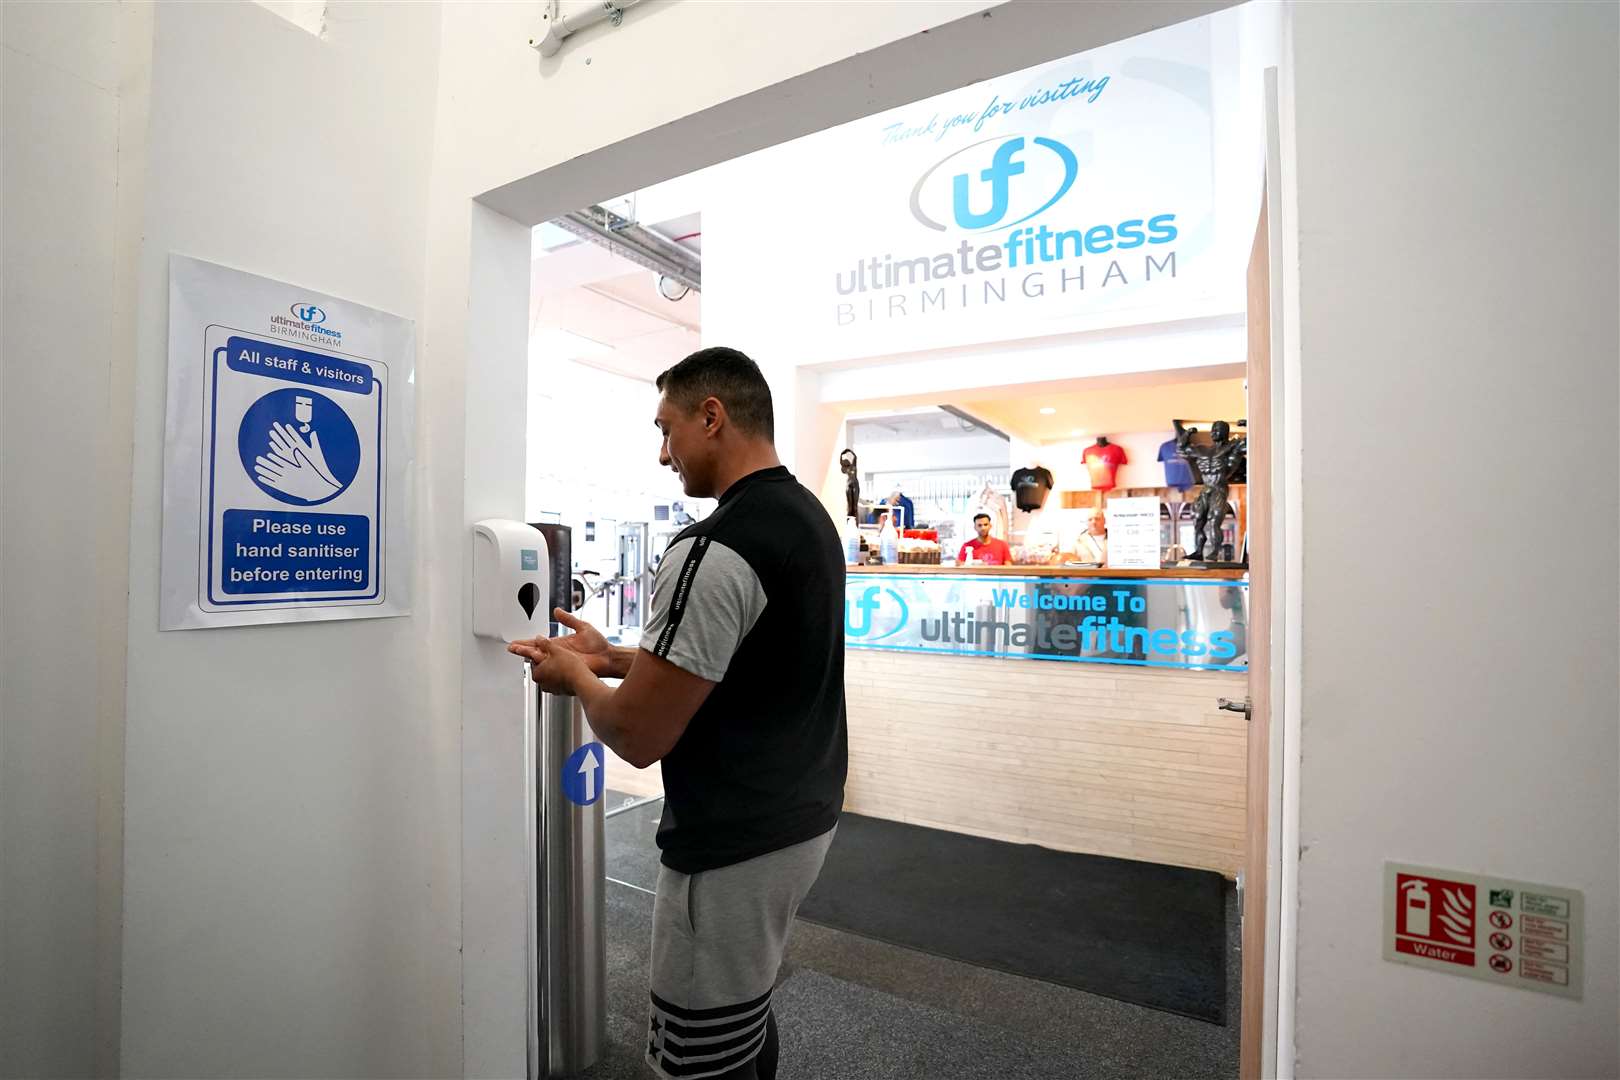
1108, 622
876, 614
306, 324
1000, 186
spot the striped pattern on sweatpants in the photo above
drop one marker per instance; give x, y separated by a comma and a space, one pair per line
718, 940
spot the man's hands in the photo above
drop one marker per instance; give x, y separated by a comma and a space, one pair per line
556, 669
558, 661
644, 717
588, 642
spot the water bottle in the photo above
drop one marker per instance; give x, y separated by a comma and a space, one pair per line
889, 541
852, 542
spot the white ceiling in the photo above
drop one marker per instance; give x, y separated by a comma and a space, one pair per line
1107, 410
587, 291
912, 424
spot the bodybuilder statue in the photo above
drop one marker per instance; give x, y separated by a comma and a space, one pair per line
1215, 465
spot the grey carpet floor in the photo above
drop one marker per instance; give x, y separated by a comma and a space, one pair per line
850, 1008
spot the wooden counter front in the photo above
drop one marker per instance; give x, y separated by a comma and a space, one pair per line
1137, 763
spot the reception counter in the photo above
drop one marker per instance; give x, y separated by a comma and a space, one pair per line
1069, 707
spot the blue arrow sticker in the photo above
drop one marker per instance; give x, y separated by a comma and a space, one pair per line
582, 774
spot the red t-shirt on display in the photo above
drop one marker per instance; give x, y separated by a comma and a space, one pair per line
1102, 462
991, 552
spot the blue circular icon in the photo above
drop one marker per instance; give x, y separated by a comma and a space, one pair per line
582, 774
299, 446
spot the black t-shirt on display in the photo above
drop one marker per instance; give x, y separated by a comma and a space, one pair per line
1030, 487
752, 599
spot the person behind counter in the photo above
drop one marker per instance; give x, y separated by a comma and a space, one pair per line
985, 548
908, 517
1093, 543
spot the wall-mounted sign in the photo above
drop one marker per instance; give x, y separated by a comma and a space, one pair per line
286, 454
1513, 933
1187, 623
1076, 195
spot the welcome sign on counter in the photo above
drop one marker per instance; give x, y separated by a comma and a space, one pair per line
1187, 623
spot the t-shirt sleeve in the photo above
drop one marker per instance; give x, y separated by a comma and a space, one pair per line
706, 599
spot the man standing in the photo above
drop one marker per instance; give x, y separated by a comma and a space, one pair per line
738, 690
984, 548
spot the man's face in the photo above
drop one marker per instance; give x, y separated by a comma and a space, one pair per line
1099, 523
686, 447
983, 527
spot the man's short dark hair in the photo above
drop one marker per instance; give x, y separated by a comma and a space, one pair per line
729, 376
976, 518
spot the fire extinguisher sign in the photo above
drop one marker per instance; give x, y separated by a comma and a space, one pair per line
1514, 933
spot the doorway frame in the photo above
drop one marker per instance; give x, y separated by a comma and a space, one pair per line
1003, 39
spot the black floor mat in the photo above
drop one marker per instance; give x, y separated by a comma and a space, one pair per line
1149, 934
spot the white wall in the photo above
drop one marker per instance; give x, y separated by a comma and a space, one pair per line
964, 453
492, 690
1170, 348
74, 124
292, 901
1456, 283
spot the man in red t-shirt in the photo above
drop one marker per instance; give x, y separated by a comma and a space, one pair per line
986, 550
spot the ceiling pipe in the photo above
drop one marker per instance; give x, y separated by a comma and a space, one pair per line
555, 26
639, 244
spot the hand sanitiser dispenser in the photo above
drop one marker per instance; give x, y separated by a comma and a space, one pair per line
511, 581
564, 882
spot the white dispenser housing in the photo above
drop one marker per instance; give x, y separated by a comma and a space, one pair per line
511, 580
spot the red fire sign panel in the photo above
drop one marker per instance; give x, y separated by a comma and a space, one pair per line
1458, 922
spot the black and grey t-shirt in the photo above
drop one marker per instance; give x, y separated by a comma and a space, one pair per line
752, 599
1030, 487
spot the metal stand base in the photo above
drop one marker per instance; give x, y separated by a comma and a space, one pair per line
567, 985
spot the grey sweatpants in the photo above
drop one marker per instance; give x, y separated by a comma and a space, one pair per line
718, 939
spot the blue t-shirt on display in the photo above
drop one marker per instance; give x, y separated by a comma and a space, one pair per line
1177, 473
